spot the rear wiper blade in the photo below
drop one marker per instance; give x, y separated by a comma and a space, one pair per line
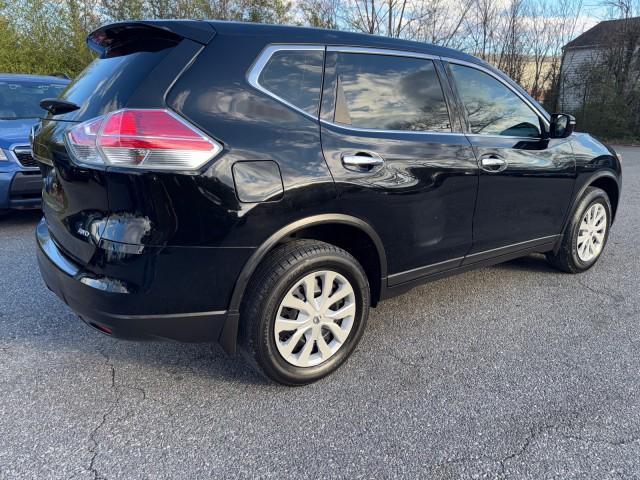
19, 118
56, 106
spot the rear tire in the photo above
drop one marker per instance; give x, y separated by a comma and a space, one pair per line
304, 311
586, 235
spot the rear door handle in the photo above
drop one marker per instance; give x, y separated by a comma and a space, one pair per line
362, 161
493, 163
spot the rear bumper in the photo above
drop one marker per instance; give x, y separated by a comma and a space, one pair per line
106, 309
20, 190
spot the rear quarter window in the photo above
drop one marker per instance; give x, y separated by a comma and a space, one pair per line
294, 76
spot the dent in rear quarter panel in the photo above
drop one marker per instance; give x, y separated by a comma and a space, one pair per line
214, 95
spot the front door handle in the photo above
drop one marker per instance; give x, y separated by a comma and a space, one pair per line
493, 163
362, 161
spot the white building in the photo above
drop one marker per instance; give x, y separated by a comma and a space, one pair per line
586, 51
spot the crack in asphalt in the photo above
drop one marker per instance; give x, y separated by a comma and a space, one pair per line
615, 299
500, 462
93, 450
533, 433
95, 444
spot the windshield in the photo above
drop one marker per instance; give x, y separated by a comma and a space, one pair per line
22, 99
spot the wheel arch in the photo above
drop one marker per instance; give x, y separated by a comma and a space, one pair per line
607, 182
604, 179
304, 228
229, 335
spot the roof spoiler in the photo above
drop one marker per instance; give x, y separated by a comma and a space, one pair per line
114, 35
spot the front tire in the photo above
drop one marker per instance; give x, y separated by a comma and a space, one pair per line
586, 235
304, 312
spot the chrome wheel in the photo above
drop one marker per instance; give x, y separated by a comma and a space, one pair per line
315, 318
591, 234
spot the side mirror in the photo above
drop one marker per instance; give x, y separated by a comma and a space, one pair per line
562, 125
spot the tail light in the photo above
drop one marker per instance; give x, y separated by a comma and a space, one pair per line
141, 139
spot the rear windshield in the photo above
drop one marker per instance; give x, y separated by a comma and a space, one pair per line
20, 99
107, 83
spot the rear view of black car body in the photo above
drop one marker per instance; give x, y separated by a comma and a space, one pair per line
263, 186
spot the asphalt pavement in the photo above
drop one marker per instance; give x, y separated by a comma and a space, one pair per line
514, 371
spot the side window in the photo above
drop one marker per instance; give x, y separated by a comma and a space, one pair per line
390, 93
492, 108
296, 77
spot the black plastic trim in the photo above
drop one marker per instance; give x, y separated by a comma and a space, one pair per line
596, 176
259, 254
428, 271
401, 288
475, 258
414, 273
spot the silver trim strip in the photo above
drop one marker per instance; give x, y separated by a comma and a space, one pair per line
381, 51
425, 267
255, 70
535, 109
167, 315
533, 240
456, 259
493, 135
253, 74
379, 130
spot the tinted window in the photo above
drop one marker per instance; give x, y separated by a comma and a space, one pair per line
492, 108
296, 77
390, 93
20, 99
107, 83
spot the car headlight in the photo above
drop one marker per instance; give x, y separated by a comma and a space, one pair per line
3, 156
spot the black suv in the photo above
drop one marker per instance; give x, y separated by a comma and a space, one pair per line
263, 186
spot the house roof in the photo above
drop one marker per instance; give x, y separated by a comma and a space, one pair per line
602, 33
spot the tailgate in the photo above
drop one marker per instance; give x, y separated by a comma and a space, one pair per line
138, 63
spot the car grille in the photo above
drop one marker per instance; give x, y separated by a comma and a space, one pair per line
25, 158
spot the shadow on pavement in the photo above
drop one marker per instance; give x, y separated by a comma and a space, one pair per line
20, 217
530, 263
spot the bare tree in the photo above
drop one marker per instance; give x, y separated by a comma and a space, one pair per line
482, 25
552, 25
365, 16
320, 13
439, 22
514, 35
